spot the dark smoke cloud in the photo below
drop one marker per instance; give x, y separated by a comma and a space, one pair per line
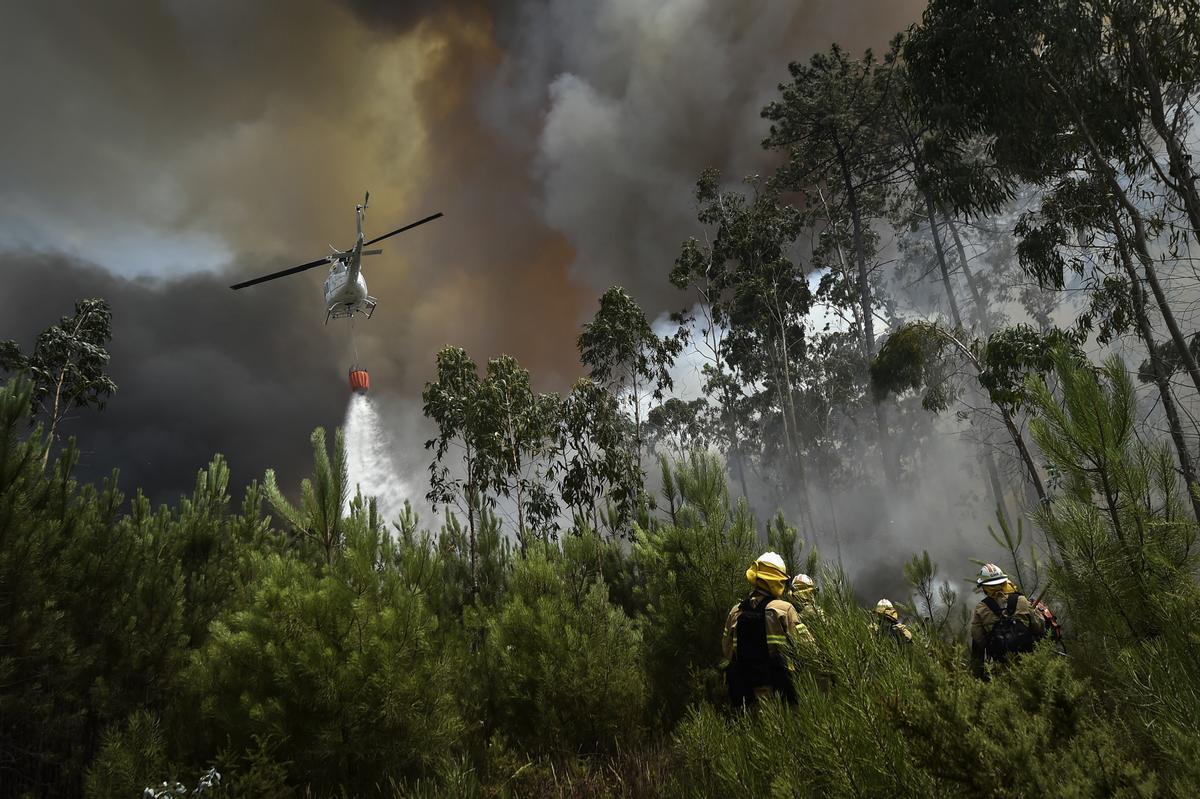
561, 139
197, 373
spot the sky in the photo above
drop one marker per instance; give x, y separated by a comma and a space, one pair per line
156, 151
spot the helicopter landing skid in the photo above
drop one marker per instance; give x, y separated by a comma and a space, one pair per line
342, 310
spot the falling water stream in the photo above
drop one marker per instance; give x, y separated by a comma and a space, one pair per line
369, 465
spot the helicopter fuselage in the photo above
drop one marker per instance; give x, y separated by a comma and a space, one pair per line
342, 288
345, 287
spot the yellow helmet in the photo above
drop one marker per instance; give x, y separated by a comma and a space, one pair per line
884, 607
768, 572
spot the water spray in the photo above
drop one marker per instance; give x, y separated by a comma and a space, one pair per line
369, 465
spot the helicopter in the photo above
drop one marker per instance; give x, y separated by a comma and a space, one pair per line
345, 287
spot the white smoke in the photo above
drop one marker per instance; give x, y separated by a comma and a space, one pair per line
369, 464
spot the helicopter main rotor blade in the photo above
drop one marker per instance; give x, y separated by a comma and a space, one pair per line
283, 273
406, 227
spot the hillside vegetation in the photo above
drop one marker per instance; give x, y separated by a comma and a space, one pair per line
958, 234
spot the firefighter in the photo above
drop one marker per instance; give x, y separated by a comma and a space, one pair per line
756, 635
804, 596
889, 623
1005, 622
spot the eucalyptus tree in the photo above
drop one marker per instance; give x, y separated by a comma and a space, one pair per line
924, 356
623, 353
595, 455
516, 438
67, 365
452, 403
679, 425
1067, 87
828, 122
758, 295
1079, 232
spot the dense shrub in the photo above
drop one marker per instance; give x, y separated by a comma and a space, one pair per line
562, 664
337, 663
692, 566
338, 656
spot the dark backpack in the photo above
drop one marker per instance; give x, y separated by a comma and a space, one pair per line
753, 664
1008, 635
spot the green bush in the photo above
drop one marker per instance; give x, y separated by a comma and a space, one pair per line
895, 722
337, 664
692, 568
560, 665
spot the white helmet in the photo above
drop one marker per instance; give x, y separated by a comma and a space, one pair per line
802, 581
773, 559
884, 604
991, 574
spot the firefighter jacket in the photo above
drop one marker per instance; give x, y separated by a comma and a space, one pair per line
782, 621
983, 620
896, 630
807, 607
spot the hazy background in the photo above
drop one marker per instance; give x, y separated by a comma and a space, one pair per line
157, 151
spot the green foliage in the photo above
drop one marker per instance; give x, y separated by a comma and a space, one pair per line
596, 457
678, 425
620, 349
1009, 355
935, 601
900, 725
1028, 571
396, 665
67, 363
693, 571
561, 663
130, 759
1041, 732
451, 402
521, 428
838, 744
1124, 555
1169, 357
913, 359
318, 519
320, 653
98, 608
334, 661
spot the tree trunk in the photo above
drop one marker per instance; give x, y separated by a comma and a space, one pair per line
1013, 431
1177, 154
788, 407
868, 326
521, 516
471, 521
993, 475
54, 416
1142, 249
1026, 457
941, 259
976, 295
1161, 378
1140, 236
985, 456
741, 470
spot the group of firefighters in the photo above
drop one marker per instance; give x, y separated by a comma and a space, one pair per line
764, 632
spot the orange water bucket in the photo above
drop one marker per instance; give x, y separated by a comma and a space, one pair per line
360, 381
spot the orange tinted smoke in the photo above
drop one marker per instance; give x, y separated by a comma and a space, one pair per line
360, 381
